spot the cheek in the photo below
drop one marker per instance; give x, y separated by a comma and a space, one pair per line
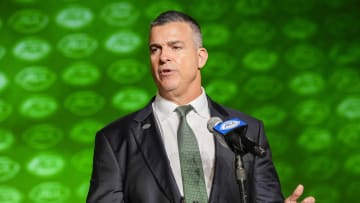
188, 60
152, 60
153, 71
192, 65
191, 71
153, 64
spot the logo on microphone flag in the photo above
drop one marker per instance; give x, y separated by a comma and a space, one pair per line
227, 126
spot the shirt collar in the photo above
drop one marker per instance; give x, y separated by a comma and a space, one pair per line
166, 108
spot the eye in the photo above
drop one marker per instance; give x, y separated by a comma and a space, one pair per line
177, 47
153, 50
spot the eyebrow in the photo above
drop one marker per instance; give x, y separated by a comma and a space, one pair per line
171, 43
176, 42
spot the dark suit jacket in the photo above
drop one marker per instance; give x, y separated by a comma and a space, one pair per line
130, 164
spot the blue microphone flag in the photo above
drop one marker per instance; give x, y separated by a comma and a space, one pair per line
229, 125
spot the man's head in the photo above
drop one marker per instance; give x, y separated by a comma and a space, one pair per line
176, 56
176, 16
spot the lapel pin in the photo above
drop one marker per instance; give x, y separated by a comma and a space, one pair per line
146, 126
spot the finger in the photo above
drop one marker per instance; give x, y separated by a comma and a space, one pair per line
297, 193
309, 200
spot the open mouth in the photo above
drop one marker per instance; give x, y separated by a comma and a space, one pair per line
165, 71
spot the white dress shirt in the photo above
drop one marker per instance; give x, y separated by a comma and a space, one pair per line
168, 122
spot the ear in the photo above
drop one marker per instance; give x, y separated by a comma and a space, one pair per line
202, 57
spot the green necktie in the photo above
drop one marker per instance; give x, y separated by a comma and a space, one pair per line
190, 160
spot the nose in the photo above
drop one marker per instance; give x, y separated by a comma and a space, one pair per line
165, 56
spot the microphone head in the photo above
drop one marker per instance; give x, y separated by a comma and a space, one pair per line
213, 121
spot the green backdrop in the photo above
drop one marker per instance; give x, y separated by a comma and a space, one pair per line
68, 67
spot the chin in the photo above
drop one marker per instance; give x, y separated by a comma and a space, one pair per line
168, 86
167, 89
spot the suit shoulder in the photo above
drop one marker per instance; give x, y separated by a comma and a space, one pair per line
228, 112
120, 126
243, 116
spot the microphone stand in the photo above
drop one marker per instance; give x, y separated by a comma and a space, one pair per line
236, 145
241, 177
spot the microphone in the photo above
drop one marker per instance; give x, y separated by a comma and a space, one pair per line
213, 121
231, 134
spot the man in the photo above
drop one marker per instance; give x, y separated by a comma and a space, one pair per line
140, 157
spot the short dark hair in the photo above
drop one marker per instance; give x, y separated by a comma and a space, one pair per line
176, 16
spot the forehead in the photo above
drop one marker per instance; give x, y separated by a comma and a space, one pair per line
170, 32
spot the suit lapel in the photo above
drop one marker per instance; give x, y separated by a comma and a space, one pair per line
150, 143
224, 162
224, 159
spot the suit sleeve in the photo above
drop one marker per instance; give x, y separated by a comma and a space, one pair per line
106, 183
266, 181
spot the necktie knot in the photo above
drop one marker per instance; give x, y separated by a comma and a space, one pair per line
183, 110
